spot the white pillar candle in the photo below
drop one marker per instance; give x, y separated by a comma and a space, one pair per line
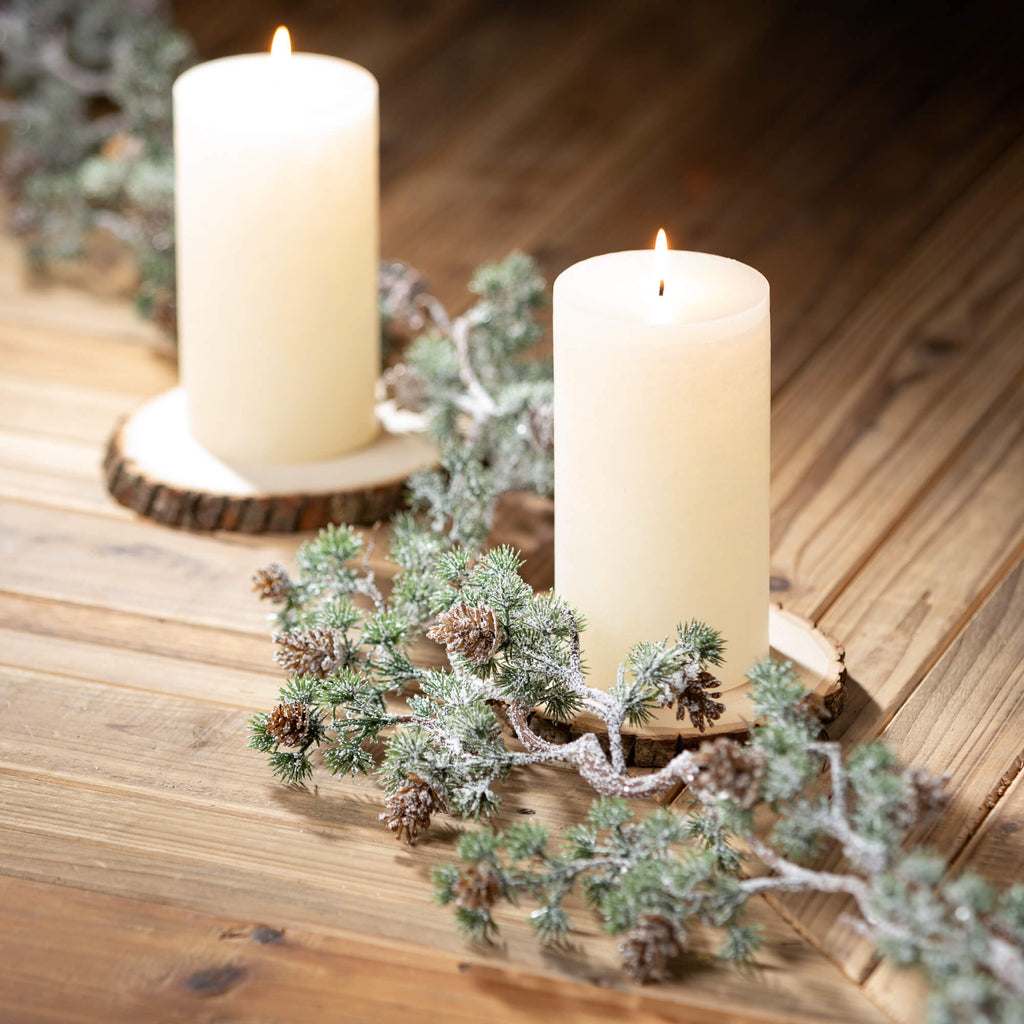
277, 240
661, 453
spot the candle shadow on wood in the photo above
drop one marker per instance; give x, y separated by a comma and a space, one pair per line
526, 521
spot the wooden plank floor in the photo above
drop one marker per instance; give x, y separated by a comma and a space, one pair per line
869, 159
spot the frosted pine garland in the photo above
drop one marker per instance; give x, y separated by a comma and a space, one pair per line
648, 876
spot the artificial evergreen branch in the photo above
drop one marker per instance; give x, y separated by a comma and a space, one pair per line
481, 395
451, 737
90, 140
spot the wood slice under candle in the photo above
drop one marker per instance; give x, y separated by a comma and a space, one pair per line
155, 467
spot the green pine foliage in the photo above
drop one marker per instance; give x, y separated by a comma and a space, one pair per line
90, 141
650, 875
485, 399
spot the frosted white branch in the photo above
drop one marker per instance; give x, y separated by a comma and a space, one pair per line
586, 755
477, 401
1005, 960
871, 856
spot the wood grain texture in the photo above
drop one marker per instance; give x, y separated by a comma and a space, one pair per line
933, 573
865, 428
75, 358
964, 719
112, 631
165, 828
868, 158
994, 849
129, 567
208, 966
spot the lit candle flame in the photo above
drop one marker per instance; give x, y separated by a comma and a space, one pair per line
661, 259
282, 44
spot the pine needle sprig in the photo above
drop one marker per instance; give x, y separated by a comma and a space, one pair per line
510, 651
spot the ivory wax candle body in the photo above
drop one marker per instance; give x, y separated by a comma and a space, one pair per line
277, 241
662, 453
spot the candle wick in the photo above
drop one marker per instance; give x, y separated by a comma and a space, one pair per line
661, 288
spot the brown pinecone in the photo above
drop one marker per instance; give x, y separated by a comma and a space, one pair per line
408, 810
310, 652
122, 146
478, 887
698, 699
472, 633
404, 387
649, 945
272, 582
928, 796
730, 771
289, 723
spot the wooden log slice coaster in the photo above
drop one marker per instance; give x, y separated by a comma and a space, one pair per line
819, 660
154, 467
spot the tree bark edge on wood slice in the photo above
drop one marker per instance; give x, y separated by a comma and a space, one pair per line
164, 494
